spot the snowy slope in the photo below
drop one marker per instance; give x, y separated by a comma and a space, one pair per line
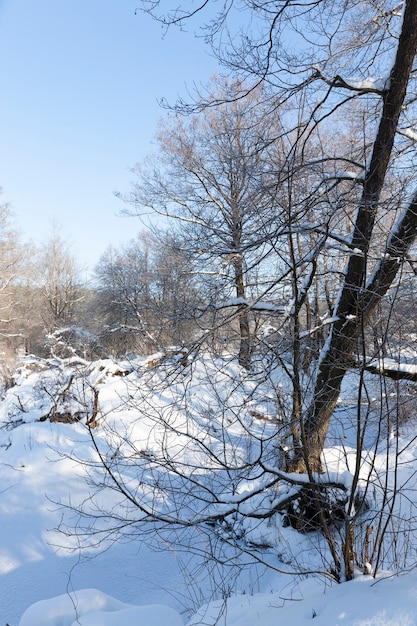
111, 588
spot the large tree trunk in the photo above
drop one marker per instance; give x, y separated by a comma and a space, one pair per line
357, 300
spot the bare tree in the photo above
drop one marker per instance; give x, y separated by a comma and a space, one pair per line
211, 180
59, 281
321, 74
51, 294
145, 295
331, 73
13, 258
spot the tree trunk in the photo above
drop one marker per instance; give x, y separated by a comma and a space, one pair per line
244, 328
245, 344
356, 299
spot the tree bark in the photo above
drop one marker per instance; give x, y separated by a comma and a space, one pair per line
244, 357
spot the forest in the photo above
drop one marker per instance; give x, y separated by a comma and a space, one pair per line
275, 264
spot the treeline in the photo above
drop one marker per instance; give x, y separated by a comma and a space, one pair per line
139, 298
252, 213
283, 221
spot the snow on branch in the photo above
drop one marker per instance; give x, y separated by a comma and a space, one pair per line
346, 175
409, 133
392, 369
257, 306
325, 322
368, 85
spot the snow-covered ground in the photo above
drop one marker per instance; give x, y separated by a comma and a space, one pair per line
362, 602
46, 579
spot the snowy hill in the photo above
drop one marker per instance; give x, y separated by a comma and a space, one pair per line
53, 573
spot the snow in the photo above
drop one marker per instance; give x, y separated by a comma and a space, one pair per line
346, 175
410, 133
90, 607
362, 602
258, 305
370, 84
392, 365
49, 578
367, 84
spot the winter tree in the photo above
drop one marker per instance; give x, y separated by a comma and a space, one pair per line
52, 295
329, 64
350, 226
145, 295
13, 258
59, 278
212, 181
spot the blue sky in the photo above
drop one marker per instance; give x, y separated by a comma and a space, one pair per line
79, 87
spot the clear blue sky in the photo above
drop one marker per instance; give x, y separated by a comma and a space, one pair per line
79, 85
